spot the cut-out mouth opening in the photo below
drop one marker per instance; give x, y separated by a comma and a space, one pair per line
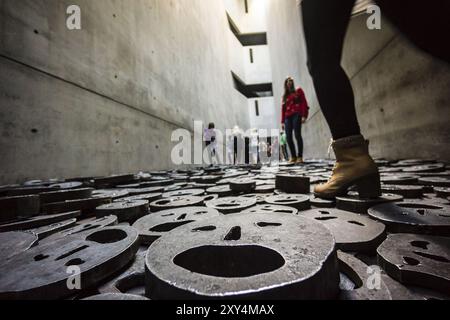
411, 261
432, 257
206, 228
268, 224
166, 227
230, 261
357, 223
325, 218
107, 236
420, 244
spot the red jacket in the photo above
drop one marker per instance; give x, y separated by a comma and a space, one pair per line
295, 103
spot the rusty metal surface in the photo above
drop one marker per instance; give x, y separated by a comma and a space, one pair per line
357, 272
12, 208
64, 195
153, 226
176, 202
41, 272
47, 230
409, 217
417, 260
183, 192
272, 209
183, 214
116, 297
15, 242
353, 232
244, 256
298, 201
82, 228
229, 205
86, 206
126, 211
38, 221
353, 203
292, 183
405, 190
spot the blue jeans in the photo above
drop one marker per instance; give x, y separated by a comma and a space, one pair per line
293, 125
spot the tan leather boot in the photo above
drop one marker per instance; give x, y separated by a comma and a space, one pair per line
354, 166
300, 161
293, 161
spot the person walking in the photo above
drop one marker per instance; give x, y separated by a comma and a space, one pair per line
325, 26
294, 112
211, 143
283, 144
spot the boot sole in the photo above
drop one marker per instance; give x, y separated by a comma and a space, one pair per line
368, 187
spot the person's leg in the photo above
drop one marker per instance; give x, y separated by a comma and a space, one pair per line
422, 24
284, 152
325, 25
298, 134
288, 125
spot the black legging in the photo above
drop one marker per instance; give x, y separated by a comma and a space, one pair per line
325, 25
293, 124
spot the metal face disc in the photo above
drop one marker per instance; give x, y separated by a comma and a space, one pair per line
410, 217
176, 202
41, 272
353, 232
155, 225
417, 260
246, 256
298, 201
230, 205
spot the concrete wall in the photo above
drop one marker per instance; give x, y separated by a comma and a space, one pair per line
266, 113
105, 99
260, 70
251, 22
402, 95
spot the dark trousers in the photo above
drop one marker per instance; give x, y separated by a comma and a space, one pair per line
293, 126
325, 25
284, 152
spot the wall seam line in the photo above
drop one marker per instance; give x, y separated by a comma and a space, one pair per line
91, 91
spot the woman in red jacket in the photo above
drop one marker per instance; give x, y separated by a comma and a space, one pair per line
294, 113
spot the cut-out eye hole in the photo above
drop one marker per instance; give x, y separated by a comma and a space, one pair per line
200, 213
234, 234
432, 257
40, 257
357, 223
268, 224
107, 236
421, 212
444, 216
325, 218
324, 212
411, 261
75, 262
68, 254
168, 215
206, 228
182, 217
420, 244
163, 202
166, 227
